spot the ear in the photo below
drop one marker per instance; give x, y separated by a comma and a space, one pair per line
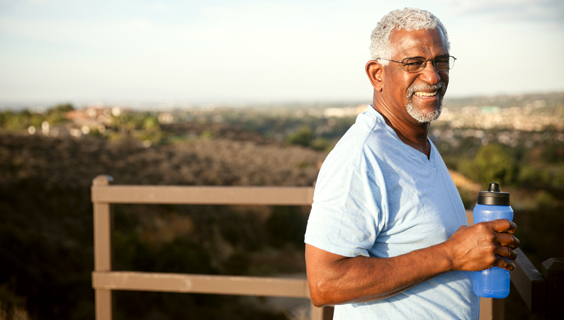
374, 71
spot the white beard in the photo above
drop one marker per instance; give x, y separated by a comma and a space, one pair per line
424, 118
433, 115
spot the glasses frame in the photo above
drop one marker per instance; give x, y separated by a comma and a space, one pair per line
424, 64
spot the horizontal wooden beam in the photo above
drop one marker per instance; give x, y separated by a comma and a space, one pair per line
530, 283
231, 285
298, 196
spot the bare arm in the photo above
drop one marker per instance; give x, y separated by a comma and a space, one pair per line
335, 279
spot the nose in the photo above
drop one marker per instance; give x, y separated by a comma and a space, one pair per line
430, 74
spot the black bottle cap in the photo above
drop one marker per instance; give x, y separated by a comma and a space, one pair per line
493, 197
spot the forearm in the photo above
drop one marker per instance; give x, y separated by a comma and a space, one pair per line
334, 279
366, 278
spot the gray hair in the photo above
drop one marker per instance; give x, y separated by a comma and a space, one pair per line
409, 19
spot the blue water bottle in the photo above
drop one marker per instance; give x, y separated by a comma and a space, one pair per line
492, 205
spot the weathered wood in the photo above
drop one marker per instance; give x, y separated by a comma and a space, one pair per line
102, 228
498, 309
486, 309
315, 313
102, 237
103, 304
203, 195
102, 250
328, 312
470, 217
529, 283
553, 272
323, 313
170, 282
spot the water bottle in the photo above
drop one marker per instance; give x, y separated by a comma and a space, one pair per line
492, 205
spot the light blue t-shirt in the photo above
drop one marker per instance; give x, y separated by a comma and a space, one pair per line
375, 196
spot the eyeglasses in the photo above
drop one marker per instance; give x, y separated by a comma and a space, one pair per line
418, 64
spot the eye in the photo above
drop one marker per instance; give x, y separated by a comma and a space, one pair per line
413, 62
442, 63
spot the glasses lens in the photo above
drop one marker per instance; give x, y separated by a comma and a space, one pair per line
442, 63
414, 64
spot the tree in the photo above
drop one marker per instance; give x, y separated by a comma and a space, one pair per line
495, 164
302, 137
57, 113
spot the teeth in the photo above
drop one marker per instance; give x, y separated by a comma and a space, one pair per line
427, 94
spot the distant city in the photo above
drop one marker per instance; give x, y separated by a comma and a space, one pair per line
531, 113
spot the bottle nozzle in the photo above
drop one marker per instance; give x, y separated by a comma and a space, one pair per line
494, 187
493, 196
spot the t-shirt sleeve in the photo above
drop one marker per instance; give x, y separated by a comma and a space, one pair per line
346, 215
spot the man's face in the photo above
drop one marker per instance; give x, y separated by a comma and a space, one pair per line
416, 96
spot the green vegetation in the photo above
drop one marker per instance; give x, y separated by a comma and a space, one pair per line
46, 256
46, 231
18, 121
303, 137
492, 162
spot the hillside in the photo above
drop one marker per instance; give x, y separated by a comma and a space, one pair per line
46, 232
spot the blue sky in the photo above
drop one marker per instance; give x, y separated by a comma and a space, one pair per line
125, 51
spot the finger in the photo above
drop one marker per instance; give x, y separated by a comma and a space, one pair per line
504, 264
512, 229
504, 225
505, 252
509, 240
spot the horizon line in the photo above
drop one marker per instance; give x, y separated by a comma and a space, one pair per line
172, 103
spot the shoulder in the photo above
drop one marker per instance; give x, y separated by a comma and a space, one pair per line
367, 133
355, 162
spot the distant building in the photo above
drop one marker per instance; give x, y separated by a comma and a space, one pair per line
165, 118
91, 118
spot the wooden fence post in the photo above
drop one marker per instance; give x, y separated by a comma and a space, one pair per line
102, 249
323, 313
553, 272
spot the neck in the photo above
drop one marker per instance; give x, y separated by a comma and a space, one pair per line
409, 130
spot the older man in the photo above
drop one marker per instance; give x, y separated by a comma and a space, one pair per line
387, 235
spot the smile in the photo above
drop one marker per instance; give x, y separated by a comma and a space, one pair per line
426, 90
425, 94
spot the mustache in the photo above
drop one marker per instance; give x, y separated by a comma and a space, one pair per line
440, 87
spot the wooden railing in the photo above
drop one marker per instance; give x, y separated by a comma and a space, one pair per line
534, 288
